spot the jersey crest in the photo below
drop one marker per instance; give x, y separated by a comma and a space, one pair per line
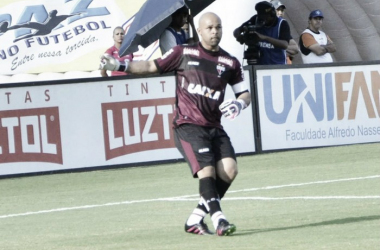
220, 69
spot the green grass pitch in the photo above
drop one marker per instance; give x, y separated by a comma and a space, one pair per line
325, 198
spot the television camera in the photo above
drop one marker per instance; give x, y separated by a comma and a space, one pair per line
251, 39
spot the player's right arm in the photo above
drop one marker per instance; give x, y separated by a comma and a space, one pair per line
107, 62
142, 67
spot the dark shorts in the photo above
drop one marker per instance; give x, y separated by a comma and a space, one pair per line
202, 146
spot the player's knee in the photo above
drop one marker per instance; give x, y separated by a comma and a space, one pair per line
231, 172
227, 169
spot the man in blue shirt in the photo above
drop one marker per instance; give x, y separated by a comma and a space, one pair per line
174, 34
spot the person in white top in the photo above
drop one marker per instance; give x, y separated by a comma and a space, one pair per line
315, 45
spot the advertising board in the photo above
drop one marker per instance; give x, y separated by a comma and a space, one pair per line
318, 106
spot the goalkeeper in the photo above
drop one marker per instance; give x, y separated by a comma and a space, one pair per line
203, 71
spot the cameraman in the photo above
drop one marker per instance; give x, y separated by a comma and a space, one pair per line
271, 35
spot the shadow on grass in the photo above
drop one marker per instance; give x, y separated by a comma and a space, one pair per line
323, 223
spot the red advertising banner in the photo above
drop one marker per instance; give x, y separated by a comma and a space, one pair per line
30, 135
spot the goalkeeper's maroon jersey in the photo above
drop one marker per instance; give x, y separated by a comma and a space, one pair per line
202, 77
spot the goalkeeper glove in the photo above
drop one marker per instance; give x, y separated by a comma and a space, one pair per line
107, 62
231, 108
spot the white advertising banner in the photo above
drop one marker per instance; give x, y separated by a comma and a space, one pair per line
58, 36
96, 123
319, 106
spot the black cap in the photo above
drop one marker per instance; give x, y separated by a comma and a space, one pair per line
264, 8
181, 10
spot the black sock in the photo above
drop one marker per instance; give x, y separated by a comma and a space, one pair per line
221, 187
207, 190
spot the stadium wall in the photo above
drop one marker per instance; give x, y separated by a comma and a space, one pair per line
102, 123
57, 114
95, 123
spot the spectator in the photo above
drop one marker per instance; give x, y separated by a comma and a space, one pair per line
273, 34
118, 36
292, 49
185, 28
203, 71
174, 34
316, 45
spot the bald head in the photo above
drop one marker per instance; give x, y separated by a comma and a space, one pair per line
206, 17
210, 31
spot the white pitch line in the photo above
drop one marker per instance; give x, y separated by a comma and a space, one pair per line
184, 198
293, 185
290, 198
306, 198
85, 207
305, 184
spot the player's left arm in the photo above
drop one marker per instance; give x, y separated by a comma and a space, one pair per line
231, 108
240, 87
245, 97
